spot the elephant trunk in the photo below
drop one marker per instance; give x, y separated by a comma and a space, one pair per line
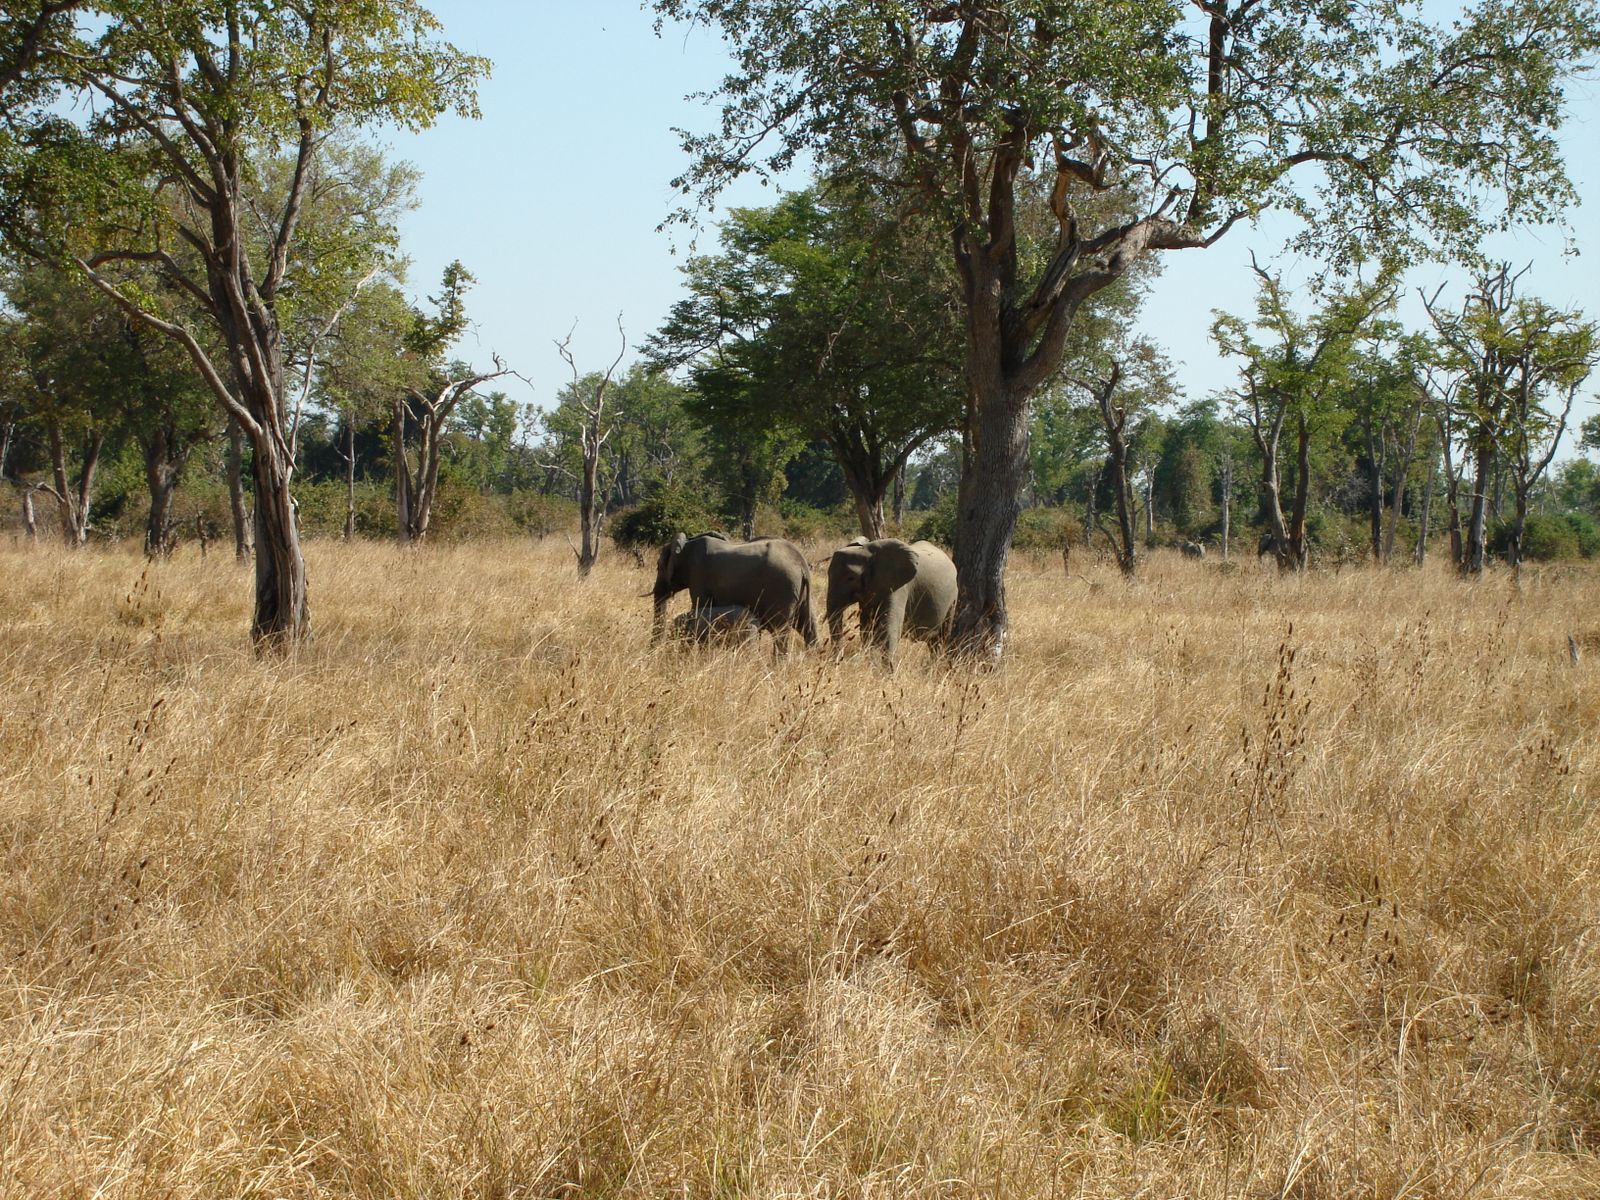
658, 623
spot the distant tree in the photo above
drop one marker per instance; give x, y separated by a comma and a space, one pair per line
187, 99
1508, 369
833, 318
367, 371
426, 406
1382, 129
596, 423
1385, 401
1295, 381
1134, 381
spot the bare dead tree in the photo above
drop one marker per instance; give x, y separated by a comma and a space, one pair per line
592, 435
1114, 417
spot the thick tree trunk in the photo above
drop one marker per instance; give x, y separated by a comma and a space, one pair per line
1474, 553
282, 614
992, 479
243, 535
164, 461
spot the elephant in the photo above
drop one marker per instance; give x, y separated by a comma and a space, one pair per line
723, 624
898, 586
1192, 549
769, 577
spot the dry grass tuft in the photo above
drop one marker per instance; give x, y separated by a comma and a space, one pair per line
1226, 885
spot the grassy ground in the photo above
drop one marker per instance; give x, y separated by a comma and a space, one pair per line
482, 896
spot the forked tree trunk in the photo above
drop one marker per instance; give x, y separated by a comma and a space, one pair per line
72, 500
163, 465
243, 538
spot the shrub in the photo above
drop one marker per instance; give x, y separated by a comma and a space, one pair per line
1550, 537
651, 522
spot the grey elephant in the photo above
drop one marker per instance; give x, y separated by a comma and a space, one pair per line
898, 586
770, 578
721, 624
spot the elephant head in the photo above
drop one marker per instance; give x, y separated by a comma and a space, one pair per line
867, 573
668, 582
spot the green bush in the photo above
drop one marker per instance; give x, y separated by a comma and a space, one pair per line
1045, 529
939, 525
657, 519
1550, 537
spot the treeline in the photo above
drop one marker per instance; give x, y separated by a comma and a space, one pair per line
205, 283
794, 391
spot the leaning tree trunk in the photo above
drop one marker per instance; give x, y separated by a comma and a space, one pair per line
243, 536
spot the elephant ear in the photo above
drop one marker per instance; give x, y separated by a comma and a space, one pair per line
894, 564
669, 555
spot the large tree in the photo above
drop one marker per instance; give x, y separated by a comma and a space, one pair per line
1385, 129
188, 100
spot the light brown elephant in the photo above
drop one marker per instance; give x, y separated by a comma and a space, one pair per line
898, 587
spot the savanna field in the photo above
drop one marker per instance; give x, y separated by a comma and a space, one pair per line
1225, 885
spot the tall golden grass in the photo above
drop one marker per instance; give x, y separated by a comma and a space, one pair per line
482, 895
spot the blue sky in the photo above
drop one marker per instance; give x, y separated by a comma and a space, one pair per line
553, 198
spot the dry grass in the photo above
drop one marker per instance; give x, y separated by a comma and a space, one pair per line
482, 896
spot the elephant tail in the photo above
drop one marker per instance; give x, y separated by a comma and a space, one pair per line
804, 619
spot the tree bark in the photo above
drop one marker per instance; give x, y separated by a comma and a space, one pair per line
72, 500
1474, 552
987, 506
243, 534
1298, 550
282, 612
163, 464
30, 523
349, 478
1425, 513
1227, 503
1398, 496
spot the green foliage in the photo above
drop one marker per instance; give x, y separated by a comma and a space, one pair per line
657, 519
1550, 537
1046, 529
939, 525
